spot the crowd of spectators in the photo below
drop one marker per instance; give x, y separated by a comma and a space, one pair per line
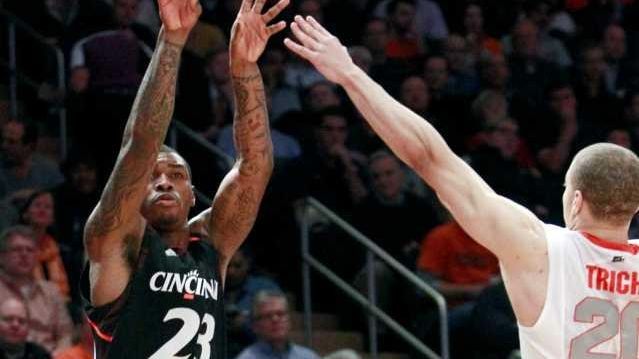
515, 87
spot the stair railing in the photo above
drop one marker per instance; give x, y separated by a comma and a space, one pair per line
375, 313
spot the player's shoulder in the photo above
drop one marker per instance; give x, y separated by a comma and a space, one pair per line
555, 231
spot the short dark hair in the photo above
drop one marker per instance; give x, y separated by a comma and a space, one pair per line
608, 177
24, 207
17, 230
168, 149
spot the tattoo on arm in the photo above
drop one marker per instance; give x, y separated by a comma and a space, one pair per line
251, 129
235, 207
144, 134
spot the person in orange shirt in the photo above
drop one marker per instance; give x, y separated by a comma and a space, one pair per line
456, 265
37, 213
459, 268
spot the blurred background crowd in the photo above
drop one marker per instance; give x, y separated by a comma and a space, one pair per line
515, 87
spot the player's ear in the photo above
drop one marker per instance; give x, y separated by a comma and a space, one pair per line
192, 196
577, 201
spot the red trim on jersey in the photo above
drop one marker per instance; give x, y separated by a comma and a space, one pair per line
100, 333
194, 239
630, 248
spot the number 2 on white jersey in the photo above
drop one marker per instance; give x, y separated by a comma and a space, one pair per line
614, 322
190, 327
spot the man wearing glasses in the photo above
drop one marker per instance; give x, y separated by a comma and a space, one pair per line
272, 325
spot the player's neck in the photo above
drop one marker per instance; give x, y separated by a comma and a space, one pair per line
617, 234
176, 239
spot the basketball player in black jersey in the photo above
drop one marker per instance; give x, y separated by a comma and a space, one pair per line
153, 290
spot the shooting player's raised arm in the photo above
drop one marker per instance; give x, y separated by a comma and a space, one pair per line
114, 229
234, 209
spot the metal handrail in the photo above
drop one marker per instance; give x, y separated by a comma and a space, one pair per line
310, 261
14, 22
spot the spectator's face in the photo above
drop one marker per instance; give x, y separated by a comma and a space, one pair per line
321, 96
40, 212
614, 43
332, 132
436, 73
620, 137
473, 19
125, 12
376, 36
14, 326
505, 138
237, 270
388, 177
271, 321
169, 193
414, 94
496, 72
218, 67
593, 64
525, 39
19, 257
84, 178
456, 52
403, 18
563, 99
494, 109
15, 151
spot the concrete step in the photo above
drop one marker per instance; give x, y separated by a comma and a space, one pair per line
325, 342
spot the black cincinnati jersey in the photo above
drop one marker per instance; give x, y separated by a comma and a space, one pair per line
171, 308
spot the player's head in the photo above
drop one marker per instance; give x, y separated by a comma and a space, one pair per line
169, 195
602, 182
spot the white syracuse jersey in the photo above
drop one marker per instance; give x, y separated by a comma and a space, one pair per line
592, 304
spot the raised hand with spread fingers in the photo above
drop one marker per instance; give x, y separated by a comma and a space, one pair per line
320, 48
251, 29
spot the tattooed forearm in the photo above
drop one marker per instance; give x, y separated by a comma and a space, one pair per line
235, 206
124, 182
251, 129
144, 134
153, 107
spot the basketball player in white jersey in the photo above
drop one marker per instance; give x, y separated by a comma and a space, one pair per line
575, 290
